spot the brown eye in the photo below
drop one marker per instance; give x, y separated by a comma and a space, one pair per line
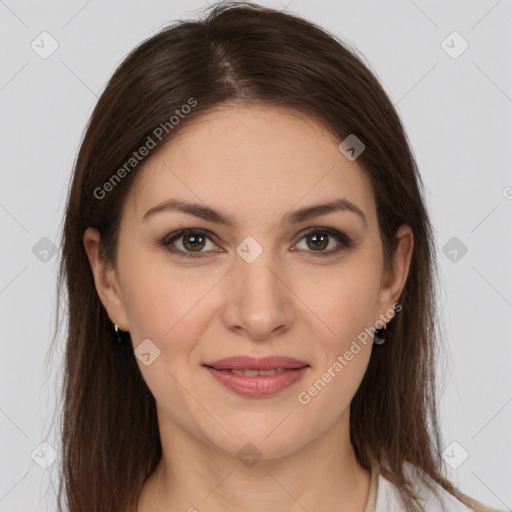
193, 242
318, 240
188, 243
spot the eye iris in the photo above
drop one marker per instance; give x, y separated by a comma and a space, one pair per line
197, 241
316, 238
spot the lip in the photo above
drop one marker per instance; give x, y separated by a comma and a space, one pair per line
254, 363
257, 386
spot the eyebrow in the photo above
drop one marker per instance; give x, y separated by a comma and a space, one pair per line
295, 217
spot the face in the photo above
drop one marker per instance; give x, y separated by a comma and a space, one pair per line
269, 283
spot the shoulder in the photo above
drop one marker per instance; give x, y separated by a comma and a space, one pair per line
437, 499
388, 499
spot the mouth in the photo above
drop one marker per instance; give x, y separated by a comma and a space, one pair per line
257, 378
252, 372
255, 363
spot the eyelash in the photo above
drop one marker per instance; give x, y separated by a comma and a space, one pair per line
344, 241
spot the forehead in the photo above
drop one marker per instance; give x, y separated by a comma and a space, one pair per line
251, 161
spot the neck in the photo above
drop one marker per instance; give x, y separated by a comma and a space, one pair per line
194, 475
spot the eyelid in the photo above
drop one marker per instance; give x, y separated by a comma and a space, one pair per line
169, 239
344, 241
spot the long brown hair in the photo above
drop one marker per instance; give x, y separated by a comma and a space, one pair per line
244, 53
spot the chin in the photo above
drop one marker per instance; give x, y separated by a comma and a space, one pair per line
263, 441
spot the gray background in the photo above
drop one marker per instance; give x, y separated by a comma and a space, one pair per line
458, 116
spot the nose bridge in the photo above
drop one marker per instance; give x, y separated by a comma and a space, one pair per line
260, 301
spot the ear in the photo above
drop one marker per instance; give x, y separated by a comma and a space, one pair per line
394, 279
105, 279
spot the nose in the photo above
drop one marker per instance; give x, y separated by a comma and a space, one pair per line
260, 303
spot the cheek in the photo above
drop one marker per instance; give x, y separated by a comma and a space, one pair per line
348, 308
169, 310
159, 300
347, 311
328, 394
343, 301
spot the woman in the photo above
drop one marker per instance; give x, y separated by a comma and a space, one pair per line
250, 274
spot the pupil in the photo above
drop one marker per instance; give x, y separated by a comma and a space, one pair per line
316, 239
193, 240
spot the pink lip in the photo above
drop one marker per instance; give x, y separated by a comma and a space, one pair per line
253, 363
257, 386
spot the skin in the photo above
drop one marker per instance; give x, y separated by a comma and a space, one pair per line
256, 164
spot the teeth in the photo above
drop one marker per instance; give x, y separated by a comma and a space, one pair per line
246, 373
253, 373
270, 372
